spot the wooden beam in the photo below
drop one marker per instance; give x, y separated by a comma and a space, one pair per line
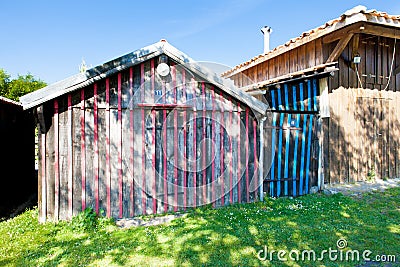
339, 48
354, 50
362, 27
381, 31
337, 35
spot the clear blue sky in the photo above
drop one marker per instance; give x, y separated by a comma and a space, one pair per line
49, 38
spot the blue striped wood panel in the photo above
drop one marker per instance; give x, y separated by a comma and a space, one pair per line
294, 108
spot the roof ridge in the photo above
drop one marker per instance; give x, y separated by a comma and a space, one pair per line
349, 13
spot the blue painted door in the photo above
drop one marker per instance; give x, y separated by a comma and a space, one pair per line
294, 153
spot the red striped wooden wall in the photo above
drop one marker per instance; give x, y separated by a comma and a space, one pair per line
136, 143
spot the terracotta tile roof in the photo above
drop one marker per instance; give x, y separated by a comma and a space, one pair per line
356, 14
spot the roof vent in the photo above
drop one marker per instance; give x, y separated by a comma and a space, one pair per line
267, 32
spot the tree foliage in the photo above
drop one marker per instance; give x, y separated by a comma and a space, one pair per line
22, 85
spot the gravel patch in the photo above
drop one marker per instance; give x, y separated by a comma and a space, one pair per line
135, 222
362, 187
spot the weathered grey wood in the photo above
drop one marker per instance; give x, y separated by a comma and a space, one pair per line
190, 157
89, 156
138, 166
115, 135
102, 159
127, 171
50, 183
63, 158
77, 176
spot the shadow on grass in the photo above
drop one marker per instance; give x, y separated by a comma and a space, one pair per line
232, 235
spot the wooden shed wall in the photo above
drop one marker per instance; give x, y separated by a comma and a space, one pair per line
362, 134
136, 144
297, 59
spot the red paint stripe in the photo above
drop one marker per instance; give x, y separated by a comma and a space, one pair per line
165, 159
56, 162
175, 160
153, 152
142, 82
173, 74
120, 177
44, 186
222, 175
194, 145
144, 198
184, 141
108, 170
83, 152
239, 158
212, 146
96, 149
152, 78
70, 170
255, 149
153, 147
247, 155
132, 163
203, 92
230, 153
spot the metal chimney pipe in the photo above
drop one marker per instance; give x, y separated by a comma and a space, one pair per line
267, 32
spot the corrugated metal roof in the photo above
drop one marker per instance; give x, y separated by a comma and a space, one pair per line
105, 70
9, 101
354, 15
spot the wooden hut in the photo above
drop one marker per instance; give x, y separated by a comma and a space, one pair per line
17, 156
334, 91
148, 132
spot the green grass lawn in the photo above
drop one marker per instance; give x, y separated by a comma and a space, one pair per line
216, 237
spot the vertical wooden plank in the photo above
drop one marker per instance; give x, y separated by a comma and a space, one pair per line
287, 143
42, 185
108, 168
319, 57
309, 143
153, 157
96, 149
89, 148
194, 144
102, 146
56, 163
165, 174
213, 158
296, 141
204, 149
63, 158
230, 126
185, 125
310, 54
247, 154
222, 149
70, 157
303, 140
50, 160
293, 60
83, 146
280, 151
239, 167
273, 146
301, 54
132, 195
119, 144
255, 174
